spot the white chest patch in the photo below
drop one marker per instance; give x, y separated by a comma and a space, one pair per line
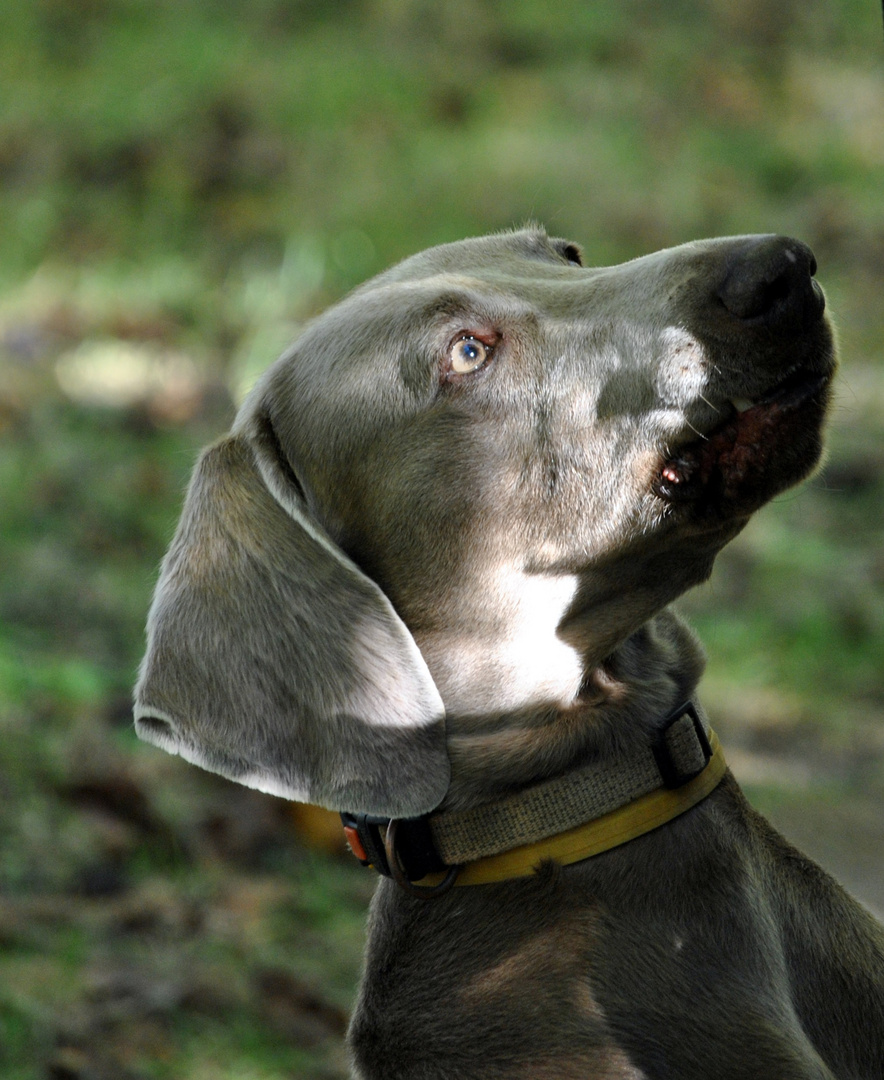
541, 667
512, 656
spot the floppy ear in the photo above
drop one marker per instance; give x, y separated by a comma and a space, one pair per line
273, 660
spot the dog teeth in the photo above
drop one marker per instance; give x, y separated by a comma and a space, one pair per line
741, 404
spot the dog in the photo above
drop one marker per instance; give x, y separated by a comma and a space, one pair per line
425, 581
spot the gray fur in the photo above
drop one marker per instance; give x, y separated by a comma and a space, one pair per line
394, 588
253, 600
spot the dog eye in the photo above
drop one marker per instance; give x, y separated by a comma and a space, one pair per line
467, 354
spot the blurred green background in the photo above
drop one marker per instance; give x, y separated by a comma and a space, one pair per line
184, 182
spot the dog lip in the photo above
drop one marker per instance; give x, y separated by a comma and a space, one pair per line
798, 384
798, 380
683, 475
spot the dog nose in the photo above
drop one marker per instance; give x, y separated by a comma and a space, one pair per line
770, 282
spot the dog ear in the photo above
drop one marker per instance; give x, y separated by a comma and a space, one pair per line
274, 661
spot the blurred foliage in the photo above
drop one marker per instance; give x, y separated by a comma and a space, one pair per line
183, 184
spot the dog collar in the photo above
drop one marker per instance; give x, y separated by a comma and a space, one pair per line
566, 819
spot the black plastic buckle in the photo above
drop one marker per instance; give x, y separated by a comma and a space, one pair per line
415, 852
673, 777
368, 842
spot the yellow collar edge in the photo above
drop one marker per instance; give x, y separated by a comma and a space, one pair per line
601, 834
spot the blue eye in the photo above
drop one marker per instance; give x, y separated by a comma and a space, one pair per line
467, 354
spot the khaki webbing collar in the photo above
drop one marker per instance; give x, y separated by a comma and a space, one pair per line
566, 819
609, 831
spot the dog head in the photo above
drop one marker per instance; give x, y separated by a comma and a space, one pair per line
462, 488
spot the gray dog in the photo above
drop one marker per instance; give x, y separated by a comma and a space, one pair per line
424, 581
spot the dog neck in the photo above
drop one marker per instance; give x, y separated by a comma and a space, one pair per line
503, 652
588, 811
615, 708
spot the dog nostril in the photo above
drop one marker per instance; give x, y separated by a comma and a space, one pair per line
770, 281
769, 293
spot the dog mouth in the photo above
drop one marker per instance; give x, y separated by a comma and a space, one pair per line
761, 446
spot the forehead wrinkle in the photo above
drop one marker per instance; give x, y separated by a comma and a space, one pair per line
399, 308
557, 289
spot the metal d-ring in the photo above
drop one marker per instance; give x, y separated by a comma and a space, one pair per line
422, 892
